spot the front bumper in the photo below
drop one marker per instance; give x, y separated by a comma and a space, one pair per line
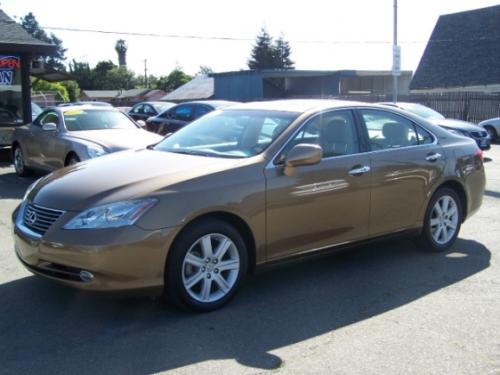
115, 259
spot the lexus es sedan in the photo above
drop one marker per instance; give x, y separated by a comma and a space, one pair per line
63, 136
180, 115
467, 129
243, 186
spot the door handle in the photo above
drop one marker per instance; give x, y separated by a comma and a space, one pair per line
359, 170
434, 156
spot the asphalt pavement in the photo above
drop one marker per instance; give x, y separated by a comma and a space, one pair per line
387, 308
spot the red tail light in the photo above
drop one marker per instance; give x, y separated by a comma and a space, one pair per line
479, 154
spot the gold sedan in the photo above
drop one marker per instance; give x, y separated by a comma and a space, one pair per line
243, 186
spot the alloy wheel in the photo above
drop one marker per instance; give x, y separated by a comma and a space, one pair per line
444, 219
210, 268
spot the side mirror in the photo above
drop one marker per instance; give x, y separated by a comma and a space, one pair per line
141, 123
302, 154
50, 126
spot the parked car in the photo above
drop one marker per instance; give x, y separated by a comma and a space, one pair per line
492, 126
464, 128
247, 185
144, 110
94, 103
62, 136
178, 116
10, 120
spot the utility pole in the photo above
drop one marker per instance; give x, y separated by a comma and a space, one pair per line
146, 73
396, 56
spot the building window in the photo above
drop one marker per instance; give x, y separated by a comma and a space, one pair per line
11, 97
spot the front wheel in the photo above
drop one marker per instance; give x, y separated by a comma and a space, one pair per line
491, 132
206, 265
19, 163
442, 220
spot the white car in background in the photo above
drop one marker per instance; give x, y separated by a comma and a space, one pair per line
492, 126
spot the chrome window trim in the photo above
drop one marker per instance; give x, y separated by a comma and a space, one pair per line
271, 164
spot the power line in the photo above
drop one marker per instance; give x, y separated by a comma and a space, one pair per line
226, 38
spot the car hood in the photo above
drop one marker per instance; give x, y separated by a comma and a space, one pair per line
117, 139
122, 175
456, 124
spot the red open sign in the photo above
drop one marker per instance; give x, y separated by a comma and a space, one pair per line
10, 62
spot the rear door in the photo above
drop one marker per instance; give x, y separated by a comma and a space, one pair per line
405, 160
323, 204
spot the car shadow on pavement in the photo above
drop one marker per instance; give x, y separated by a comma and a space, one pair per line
11, 185
47, 328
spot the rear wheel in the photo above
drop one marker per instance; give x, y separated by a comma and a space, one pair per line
206, 265
442, 220
19, 162
491, 132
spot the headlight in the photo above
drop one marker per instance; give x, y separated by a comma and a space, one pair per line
94, 151
112, 215
29, 189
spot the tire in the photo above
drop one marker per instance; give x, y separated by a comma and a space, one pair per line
441, 229
492, 132
193, 276
72, 159
20, 163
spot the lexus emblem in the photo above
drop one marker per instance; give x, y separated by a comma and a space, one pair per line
31, 217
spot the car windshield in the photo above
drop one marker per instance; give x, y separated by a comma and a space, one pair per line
96, 119
35, 110
423, 111
230, 133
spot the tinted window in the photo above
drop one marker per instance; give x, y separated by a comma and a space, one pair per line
424, 137
387, 130
183, 112
148, 110
138, 109
202, 110
334, 131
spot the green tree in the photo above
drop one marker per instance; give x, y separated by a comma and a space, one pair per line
282, 52
263, 53
119, 78
42, 85
267, 54
205, 70
176, 78
31, 25
73, 90
82, 73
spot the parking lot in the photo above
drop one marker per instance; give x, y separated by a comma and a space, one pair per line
386, 308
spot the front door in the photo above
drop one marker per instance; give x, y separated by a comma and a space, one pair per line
323, 204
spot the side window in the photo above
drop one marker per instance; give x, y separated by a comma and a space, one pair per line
148, 110
49, 117
201, 110
138, 109
334, 131
387, 130
424, 137
183, 112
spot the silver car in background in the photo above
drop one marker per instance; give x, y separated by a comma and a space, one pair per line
492, 126
62, 136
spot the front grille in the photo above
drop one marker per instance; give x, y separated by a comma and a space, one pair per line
39, 219
480, 134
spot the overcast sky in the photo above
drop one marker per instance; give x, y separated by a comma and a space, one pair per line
355, 34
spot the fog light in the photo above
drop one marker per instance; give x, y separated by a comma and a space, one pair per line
86, 276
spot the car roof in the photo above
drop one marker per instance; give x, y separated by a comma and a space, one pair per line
82, 107
298, 105
212, 103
